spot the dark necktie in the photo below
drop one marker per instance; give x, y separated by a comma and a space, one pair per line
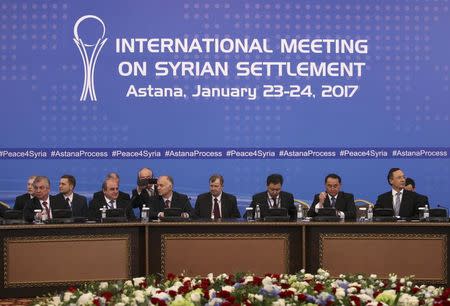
47, 209
167, 204
274, 203
333, 201
216, 209
111, 204
68, 202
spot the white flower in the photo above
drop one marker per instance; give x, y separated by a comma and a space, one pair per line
408, 300
210, 276
139, 296
402, 280
279, 302
409, 283
103, 285
56, 300
248, 279
373, 276
352, 290
138, 280
365, 298
302, 271
125, 299
85, 299
128, 283
360, 277
67, 296
195, 297
151, 290
119, 304
162, 296
267, 281
308, 276
259, 297
393, 277
186, 279
228, 288
340, 293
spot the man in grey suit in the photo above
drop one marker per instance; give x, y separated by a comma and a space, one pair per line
216, 204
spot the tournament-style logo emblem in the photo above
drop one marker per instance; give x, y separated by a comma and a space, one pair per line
89, 61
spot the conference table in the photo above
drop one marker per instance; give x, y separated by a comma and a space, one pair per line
38, 259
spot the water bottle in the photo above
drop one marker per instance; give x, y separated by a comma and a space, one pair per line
370, 213
103, 210
426, 213
144, 213
299, 212
257, 213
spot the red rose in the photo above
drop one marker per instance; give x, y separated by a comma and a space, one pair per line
247, 303
329, 303
229, 282
319, 287
143, 284
226, 303
96, 302
172, 293
415, 290
285, 286
286, 294
223, 294
231, 299
107, 295
301, 297
72, 289
355, 300
171, 276
154, 300
187, 283
257, 281
206, 294
183, 290
205, 283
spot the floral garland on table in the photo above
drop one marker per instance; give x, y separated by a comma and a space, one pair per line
241, 289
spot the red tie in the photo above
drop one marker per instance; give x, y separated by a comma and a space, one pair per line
47, 210
216, 209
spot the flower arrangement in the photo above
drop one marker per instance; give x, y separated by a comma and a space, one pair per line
244, 289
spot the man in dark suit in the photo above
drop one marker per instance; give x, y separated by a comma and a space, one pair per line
343, 202
76, 202
216, 204
167, 198
404, 203
122, 195
410, 185
109, 200
42, 200
274, 197
21, 200
144, 190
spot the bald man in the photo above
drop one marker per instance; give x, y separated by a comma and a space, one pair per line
167, 198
